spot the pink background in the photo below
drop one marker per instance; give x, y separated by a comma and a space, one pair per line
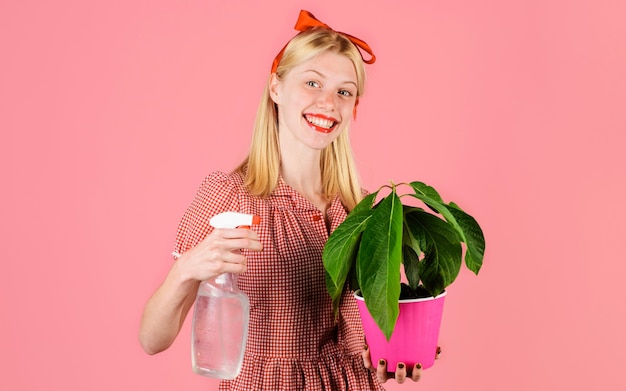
111, 113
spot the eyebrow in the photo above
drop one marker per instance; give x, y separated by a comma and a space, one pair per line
324, 76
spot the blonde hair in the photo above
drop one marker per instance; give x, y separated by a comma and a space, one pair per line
262, 166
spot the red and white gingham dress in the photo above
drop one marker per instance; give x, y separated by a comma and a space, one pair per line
294, 343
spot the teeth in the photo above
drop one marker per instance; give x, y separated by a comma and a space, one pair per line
322, 123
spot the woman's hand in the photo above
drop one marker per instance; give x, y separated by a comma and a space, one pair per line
401, 373
167, 308
219, 253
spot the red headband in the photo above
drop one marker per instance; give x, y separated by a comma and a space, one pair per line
306, 20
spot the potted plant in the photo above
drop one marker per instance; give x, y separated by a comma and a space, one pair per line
367, 251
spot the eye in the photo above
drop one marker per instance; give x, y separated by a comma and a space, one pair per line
312, 83
345, 93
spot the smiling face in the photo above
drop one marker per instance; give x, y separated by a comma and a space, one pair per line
315, 100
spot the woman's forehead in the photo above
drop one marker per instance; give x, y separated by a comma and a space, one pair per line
329, 65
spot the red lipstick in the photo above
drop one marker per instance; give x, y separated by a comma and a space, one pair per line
320, 122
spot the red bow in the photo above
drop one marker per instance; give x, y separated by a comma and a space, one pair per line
306, 20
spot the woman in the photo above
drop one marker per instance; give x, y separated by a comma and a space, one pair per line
299, 177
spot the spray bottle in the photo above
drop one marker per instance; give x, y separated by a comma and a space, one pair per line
221, 315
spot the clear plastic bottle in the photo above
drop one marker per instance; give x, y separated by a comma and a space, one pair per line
220, 328
221, 316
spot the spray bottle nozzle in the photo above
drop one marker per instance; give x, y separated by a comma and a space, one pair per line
234, 220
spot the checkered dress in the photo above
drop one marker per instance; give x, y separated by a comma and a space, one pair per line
294, 343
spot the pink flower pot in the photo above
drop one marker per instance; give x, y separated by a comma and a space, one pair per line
414, 339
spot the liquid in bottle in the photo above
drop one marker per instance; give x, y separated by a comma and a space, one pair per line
221, 316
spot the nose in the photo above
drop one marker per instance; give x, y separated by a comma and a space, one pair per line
326, 100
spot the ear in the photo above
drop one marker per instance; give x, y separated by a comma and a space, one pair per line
274, 87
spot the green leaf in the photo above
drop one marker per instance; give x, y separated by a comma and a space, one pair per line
427, 193
411, 266
465, 225
433, 200
339, 253
407, 237
365, 204
353, 280
378, 262
474, 238
441, 248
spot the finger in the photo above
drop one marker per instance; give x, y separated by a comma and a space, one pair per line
233, 233
400, 373
221, 252
233, 239
381, 371
367, 358
416, 374
225, 262
218, 260
438, 353
234, 268
236, 244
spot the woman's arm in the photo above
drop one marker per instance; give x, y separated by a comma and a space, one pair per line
166, 310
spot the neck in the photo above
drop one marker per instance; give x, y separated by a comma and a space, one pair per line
301, 170
302, 173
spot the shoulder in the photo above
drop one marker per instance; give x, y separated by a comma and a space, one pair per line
222, 179
219, 184
218, 192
